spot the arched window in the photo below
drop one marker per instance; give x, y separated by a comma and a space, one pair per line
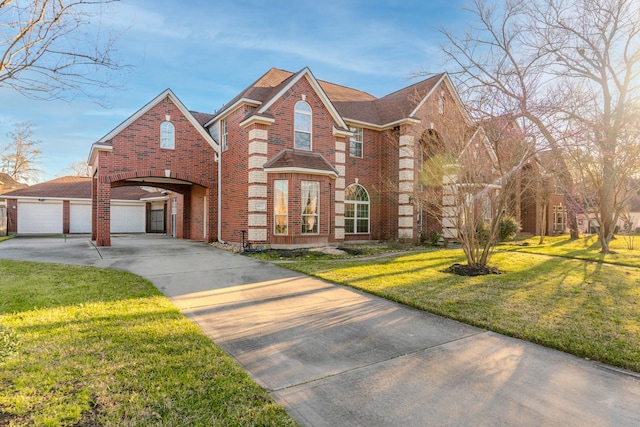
167, 135
302, 126
356, 210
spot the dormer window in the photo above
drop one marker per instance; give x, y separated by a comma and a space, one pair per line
167, 135
302, 126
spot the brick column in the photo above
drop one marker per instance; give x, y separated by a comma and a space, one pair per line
406, 185
340, 186
102, 203
257, 182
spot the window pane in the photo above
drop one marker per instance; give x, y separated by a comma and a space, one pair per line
303, 140
167, 135
281, 206
302, 106
303, 122
363, 226
310, 191
348, 225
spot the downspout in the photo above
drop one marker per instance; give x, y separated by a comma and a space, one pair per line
220, 197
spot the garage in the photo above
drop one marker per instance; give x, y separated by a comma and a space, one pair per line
79, 217
127, 218
36, 217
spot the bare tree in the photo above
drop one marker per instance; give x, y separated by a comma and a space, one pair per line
20, 157
53, 47
78, 168
570, 69
467, 179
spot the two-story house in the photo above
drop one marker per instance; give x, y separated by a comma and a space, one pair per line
291, 161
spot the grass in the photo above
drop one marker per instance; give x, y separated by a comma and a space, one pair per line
585, 248
3, 238
88, 346
589, 309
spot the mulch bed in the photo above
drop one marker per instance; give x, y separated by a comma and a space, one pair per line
466, 270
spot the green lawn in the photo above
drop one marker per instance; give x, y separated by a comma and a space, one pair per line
585, 248
585, 308
88, 346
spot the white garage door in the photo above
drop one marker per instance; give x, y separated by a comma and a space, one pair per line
79, 218
128, 218
39, 217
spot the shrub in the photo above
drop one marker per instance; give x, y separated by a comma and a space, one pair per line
509, 227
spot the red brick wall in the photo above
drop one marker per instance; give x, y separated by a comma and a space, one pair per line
234, 178
137, 153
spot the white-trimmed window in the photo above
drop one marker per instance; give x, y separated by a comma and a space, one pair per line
302, 126
356, 210
310, 196
167, 135
224, 143
281, 206
442, 102
355, 142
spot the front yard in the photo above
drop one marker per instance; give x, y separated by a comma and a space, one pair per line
590, 309
83, 346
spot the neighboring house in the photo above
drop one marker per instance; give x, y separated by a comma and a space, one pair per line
7, 183
63, 205
290, 161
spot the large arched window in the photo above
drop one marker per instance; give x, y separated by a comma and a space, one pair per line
302, 126
167, 135
356, 210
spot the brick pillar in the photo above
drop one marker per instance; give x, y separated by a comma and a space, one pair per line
406, 183
257, 191
340, 186
65, 216
212, 217
103, 213
186, 214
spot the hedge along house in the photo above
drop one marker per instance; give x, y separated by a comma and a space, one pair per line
291, 161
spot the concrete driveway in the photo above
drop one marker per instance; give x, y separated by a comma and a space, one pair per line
337, 357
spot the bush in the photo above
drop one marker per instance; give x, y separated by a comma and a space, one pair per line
509, 227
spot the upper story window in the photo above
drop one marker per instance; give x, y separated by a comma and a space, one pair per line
224, 143
167, 135
302, 126
355, 142
441, 104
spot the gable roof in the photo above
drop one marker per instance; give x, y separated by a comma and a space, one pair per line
197, 120
344, 103
74, 187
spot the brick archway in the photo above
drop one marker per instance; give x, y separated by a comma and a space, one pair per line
136, 153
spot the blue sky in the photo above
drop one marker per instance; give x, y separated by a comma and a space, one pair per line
208, 51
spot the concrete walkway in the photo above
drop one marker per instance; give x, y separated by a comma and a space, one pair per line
337, 357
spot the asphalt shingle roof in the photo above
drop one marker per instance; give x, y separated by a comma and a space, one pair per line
72, 187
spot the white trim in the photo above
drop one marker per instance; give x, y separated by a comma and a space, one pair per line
167, 93
257, 119
224, 113
306, 72
454, 93
293, 169
406, 120
94, 151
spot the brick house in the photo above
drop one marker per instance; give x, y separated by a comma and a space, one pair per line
291, 161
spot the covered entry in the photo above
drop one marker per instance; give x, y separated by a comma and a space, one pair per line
162, 146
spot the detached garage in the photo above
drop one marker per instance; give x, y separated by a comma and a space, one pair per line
63, 205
